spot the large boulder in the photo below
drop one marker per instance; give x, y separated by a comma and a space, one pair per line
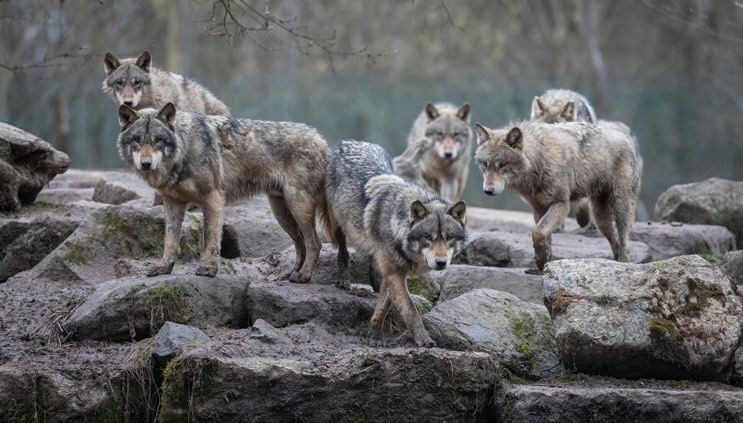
517, 333
712, 202
136, 308
512, 249
458, 279
732, 265
674, 319
27, 163
30, 242
255, 229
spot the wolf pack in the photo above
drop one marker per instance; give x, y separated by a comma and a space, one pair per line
403, 215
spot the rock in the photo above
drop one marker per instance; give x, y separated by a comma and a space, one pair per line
283, 303
624, 403
65, 195
666, 240
123, 187
507, 249
713, 202
481, 219
326, 272
136, 308
27, 163
111, 193
263, 331
732, 265
235, 383
459, 279
673, 319
171, 338
258, 234
737, 378
31, 243
517, 333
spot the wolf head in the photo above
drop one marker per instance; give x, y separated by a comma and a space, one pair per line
553, 111
500, 157
448, 129
437, 232
147, 140
128, 80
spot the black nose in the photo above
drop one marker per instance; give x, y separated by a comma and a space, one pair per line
489, 191
440, 264
448, 155
146, 165
129, 103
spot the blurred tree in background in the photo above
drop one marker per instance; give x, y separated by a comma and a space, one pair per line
358, 69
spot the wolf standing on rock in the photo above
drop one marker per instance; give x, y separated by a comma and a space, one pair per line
551, 164
444, 165
208, 160
400, 225
134, 82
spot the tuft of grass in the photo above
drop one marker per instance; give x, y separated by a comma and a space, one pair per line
710, 256
605, 298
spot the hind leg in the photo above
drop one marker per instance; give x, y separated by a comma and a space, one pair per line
624, 215
344, 282
286, 221
302, 208
603, 216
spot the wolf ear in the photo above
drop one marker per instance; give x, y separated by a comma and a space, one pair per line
144, 61
568, 112
464, 112
482, 133
431, 111
537, 107
167, 115
110, 63
458, 211
127, 116
417, 211
514, 138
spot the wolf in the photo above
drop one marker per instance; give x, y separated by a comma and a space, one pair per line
407, 165
210, 160
445, 165
401, 226
558, 106
551, 164
134, 82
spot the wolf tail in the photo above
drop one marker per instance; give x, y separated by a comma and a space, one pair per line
326, 219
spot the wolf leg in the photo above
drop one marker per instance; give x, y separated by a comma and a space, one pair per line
583, 214
623, 217
541, 235
376, 326
604, 218
302, 208
344, 282
287, 222
174, 212
448, 190
213, 221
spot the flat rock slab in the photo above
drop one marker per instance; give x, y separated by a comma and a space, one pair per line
712, 202
483, 220
136, 308
510, 249
65, 195
257, 232
673, 319
459, 279
517, 333
668, 240
576, 403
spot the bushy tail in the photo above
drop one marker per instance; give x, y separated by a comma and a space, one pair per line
325, 217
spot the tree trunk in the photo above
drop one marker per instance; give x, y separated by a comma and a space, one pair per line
597, 59
60, 122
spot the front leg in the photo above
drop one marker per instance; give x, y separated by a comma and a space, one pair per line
213, 207
542, 233
448, 189
174, 211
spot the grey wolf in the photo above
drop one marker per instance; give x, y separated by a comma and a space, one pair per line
401, 226
445, 165
558, 106
136, 83
210, 160
551, 164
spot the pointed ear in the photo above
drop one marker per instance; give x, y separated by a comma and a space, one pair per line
568, 112
110, 63
483, 134
458, 211
431, 111
144, 60
127, 116
417, 211
514, 138
167, 115
537, 107
464, 112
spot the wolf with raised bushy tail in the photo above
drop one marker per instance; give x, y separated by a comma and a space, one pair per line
551, 164
210, 160
134, 82
443, 130
399, 225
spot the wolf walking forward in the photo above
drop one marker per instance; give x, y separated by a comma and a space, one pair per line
208, 160
550, 164
399, 225
136, 83
445, 165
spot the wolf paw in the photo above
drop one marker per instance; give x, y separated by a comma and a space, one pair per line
344, 284
533, 271
210, 271
298, 277
160, 270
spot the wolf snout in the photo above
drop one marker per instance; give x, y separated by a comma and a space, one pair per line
489, 191
448, 155
129, 103
146, 164
440, 264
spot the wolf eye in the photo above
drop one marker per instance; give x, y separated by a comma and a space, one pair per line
484, 164
428, 237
